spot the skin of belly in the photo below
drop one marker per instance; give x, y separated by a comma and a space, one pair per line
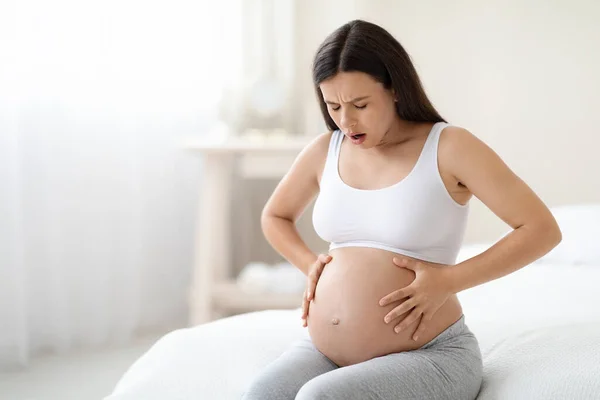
349, 291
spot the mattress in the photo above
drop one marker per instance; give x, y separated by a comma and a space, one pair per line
539, 331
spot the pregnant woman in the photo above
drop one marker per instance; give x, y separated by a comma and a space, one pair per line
393, 181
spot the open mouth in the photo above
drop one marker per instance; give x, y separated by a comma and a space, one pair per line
358, 138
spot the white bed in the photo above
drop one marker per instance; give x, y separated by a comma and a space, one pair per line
539, 330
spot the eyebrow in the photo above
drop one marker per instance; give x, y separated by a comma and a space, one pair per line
351, 101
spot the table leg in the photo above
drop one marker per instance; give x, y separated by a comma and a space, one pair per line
213, 257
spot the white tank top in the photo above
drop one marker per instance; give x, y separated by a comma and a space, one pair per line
416, 217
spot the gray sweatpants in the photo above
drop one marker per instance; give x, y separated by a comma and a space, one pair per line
448, 367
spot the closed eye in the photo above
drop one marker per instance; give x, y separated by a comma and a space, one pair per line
359, 107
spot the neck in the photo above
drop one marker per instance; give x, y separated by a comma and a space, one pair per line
400, 132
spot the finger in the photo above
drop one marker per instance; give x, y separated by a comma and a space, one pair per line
315, 273
304, 307
311, 284
401, 309
405, 263
421, 328
318, 269
320, 264
324, 258
411, 318
397, 295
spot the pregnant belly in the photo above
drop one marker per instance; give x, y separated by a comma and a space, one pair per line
345, 320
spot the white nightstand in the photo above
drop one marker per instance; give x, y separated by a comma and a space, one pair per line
213, 293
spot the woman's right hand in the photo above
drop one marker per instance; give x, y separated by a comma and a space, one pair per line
314, 273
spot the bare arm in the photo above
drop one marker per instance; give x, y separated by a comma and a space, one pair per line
289, 200
535, 231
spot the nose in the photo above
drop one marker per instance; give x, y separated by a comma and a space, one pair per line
348, 120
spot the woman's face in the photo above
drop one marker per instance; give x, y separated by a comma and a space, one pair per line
360, 105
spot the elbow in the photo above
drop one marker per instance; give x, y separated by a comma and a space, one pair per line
265, 219
268, 215
557, 236
545, 233
552, 233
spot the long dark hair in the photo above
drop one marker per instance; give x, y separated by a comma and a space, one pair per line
365, 47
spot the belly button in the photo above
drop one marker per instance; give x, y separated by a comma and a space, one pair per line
335, 321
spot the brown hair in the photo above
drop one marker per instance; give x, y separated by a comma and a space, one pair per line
365, 47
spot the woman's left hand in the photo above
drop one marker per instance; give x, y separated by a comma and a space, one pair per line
426, 294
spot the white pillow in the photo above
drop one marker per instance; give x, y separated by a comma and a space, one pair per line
580, 226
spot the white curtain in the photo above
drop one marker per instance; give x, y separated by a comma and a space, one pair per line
97, 198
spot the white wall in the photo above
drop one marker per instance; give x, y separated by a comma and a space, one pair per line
521, 75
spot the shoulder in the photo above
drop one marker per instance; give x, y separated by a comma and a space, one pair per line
456, 142
454, 137
463, 153
314, 154
320, 144
317, 148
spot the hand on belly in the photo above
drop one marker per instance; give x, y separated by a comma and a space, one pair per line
421, 299
314, 272
346, 322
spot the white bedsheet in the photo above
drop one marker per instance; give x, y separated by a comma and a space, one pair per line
559, 362
539, 330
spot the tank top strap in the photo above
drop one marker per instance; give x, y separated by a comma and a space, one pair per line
333, 154
335, 144
430, 151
